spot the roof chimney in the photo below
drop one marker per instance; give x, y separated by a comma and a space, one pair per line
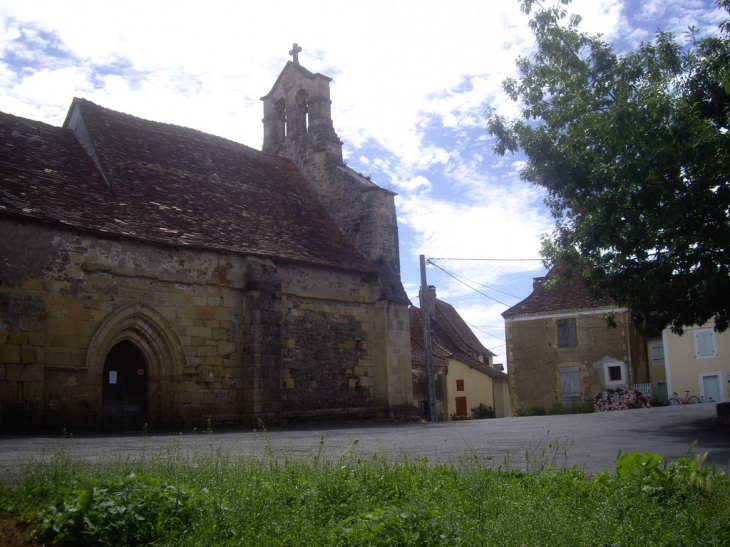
537, 283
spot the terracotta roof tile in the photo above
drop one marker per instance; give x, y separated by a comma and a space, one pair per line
169, 185
461, 329
444, 345
570, 296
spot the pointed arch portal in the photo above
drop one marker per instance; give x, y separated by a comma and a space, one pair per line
124, 388
136, 347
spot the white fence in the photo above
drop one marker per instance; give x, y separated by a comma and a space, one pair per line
646, 388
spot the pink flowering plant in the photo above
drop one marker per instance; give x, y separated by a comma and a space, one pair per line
622, 398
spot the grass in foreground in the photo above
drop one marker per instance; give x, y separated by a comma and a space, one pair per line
208, 497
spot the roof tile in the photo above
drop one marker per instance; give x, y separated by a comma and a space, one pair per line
169, 185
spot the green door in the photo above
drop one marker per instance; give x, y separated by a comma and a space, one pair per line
711, 387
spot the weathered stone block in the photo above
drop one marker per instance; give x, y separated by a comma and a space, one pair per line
367, 381
17, 337
28, 354
30, 323
10, 353
17, 373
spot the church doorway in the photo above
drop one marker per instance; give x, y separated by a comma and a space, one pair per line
124, 388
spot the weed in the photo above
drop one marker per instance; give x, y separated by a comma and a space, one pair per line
131, 510
351, 499
659, 477
409, 524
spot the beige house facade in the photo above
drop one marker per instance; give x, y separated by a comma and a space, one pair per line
657, 370
698, 363
154, 274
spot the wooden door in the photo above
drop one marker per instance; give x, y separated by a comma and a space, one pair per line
570, 385
461, 406
124, 389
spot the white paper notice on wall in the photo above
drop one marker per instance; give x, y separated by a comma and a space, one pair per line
112, 376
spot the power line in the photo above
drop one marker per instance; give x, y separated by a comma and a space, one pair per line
485, 332
493, 259
467, 285
477, 283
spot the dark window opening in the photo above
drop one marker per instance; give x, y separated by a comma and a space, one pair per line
614, 374
459, 385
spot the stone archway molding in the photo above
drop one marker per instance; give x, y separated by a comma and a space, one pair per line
148, 329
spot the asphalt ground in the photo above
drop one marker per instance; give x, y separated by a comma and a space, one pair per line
591, 442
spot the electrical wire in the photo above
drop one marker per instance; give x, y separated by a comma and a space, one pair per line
467, 285
493, 259
477, 283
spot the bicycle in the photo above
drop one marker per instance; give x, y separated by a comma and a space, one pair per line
687, 400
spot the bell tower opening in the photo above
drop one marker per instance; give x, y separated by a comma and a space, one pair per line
299, 105
301, 113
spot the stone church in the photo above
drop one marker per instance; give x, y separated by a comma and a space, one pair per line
154, 274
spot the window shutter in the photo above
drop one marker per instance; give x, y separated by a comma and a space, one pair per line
567, 333
705, 346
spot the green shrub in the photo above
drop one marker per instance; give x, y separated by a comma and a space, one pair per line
530, 411
131, 510
483, 411
585, 407
659, 478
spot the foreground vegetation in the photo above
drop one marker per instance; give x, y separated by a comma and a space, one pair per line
209, 497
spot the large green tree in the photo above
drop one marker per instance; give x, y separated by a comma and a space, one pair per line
634, 153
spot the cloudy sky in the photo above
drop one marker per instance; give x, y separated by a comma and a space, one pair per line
412, 80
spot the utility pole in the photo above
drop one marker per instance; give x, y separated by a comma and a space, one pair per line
432, 416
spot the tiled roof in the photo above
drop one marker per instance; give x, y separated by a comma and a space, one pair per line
418, 352
461, 329
571, 295
444, 346
168, 185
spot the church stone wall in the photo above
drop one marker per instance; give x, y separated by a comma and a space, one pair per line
227, 338
362, 210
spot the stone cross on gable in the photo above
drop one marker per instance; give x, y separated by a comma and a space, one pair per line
295, 52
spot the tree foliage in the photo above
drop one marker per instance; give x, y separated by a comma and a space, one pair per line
634, 153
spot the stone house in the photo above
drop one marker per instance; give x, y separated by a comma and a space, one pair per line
464, 368
154, 274
560, 350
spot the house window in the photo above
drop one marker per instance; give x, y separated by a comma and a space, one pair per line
459, 385
567, 333
705, 344
657, 355
614, 373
